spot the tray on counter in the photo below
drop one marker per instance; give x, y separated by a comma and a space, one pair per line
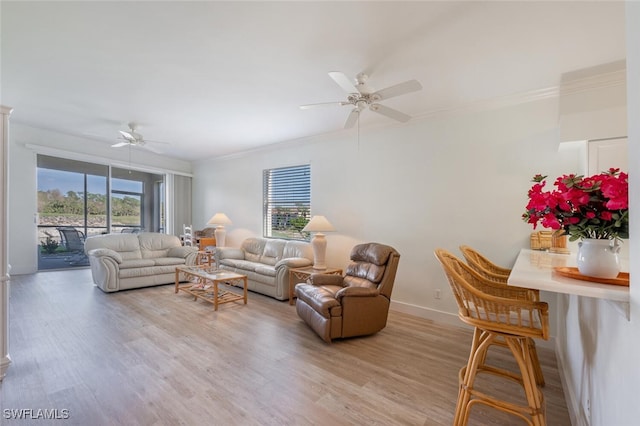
572, 272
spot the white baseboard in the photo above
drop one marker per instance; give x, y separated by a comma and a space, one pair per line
428, 313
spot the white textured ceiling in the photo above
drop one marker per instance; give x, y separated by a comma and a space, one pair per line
214, 78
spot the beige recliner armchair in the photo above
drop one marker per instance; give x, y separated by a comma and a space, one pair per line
356, 304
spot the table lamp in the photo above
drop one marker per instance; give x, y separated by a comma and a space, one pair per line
219, 220
319, 224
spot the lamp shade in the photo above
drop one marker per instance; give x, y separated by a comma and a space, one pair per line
219, 219
318, 224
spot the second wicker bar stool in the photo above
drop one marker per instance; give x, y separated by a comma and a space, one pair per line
489, 270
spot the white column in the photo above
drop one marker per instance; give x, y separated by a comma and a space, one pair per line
5, 359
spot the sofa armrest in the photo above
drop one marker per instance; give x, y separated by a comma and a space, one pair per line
229, 253
294, 262
181, 251
325, 279
105, 252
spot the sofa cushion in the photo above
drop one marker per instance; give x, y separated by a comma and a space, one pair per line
161, 261
229, 253
260, 278
127, 245
136, 263
181, 251
146, 271
299, 249
267, 270
272, 252
153, 244
240, 264
253, 248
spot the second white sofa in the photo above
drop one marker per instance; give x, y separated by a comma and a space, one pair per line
266, 263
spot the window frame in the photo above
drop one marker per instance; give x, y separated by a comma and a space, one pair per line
287, 188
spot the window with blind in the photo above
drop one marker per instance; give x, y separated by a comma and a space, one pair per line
287, 202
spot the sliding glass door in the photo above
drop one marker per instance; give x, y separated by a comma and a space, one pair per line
137, 201
78, 199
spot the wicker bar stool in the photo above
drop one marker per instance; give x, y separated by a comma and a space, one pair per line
484, 266
496, 312
498, 274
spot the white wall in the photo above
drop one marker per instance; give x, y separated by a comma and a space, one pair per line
461, 179
598, 348
23, 238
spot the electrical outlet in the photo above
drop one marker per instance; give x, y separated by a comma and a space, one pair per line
586, 411
436, 293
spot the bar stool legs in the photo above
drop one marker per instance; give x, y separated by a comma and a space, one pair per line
534, 357
520, 347
536, 362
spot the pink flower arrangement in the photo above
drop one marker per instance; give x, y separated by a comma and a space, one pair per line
585, 207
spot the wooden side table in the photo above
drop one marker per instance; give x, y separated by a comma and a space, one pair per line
300, 275
206, 258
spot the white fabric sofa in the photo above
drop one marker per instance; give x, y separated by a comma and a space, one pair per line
124, 261
266, 263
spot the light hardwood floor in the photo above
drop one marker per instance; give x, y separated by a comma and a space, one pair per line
151, 357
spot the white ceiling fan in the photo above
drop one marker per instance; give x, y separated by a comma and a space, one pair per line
133, 138
361, 95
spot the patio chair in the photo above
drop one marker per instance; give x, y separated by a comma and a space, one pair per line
73, 241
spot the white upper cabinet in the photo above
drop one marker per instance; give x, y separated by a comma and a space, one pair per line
605, 154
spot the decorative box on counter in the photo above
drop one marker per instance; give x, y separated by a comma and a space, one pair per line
552, 241
541, 240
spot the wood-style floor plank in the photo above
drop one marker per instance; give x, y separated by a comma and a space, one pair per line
151, 357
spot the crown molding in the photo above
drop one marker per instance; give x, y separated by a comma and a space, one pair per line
493, 103
592, 82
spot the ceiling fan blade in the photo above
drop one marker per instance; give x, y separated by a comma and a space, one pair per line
323, 104
343, 81
352, 119
398, 89
390, 112
128, 136
119, 144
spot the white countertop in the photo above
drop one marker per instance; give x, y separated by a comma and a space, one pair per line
534, 269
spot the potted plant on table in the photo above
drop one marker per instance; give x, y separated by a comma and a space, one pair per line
592, 209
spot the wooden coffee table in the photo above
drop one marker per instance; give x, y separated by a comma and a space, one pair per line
205, 283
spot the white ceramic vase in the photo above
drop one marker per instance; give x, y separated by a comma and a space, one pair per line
599, 258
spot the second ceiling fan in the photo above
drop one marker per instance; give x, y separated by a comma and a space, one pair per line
362, 96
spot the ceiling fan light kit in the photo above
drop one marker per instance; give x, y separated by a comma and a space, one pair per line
362, 96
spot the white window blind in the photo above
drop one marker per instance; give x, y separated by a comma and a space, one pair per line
287, 201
